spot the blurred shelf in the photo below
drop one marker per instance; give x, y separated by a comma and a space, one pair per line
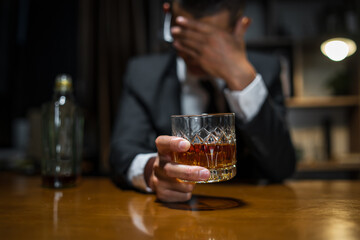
328, 166
273, 42
315, 102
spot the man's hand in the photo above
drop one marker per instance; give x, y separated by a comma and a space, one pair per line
220, 53
166, 175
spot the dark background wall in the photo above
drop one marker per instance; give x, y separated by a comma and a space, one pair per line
93, 39
38, 41
89, 39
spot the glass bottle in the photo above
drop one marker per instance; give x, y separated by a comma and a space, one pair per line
62, 137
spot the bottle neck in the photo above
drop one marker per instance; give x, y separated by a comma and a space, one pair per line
63, 93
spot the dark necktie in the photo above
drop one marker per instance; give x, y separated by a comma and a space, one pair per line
216, 101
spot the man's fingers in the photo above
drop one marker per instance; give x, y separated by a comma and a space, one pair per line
168, 144
241, 27
194, 25
194, 46
187, 50
188, 39
185, 33
166, 174
174, 184
186, 172
170, 189
168, 195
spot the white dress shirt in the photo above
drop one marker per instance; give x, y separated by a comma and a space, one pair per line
245, 104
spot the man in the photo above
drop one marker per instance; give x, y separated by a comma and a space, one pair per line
209, 41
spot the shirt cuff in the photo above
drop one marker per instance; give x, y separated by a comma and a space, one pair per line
247, 103
135, 174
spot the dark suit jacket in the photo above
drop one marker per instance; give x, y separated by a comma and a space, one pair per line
151, 94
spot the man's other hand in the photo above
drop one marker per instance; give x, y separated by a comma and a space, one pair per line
220, 52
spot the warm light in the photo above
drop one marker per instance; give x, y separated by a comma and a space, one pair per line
338, 48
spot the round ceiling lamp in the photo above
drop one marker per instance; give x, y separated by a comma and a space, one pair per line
337, 49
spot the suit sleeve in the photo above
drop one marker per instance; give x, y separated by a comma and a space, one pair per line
133, 132
267, 136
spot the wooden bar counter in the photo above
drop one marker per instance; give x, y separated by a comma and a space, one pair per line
97, 209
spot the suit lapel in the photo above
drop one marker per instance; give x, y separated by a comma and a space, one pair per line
167, 99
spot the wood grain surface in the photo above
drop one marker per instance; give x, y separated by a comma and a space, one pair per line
96, 209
